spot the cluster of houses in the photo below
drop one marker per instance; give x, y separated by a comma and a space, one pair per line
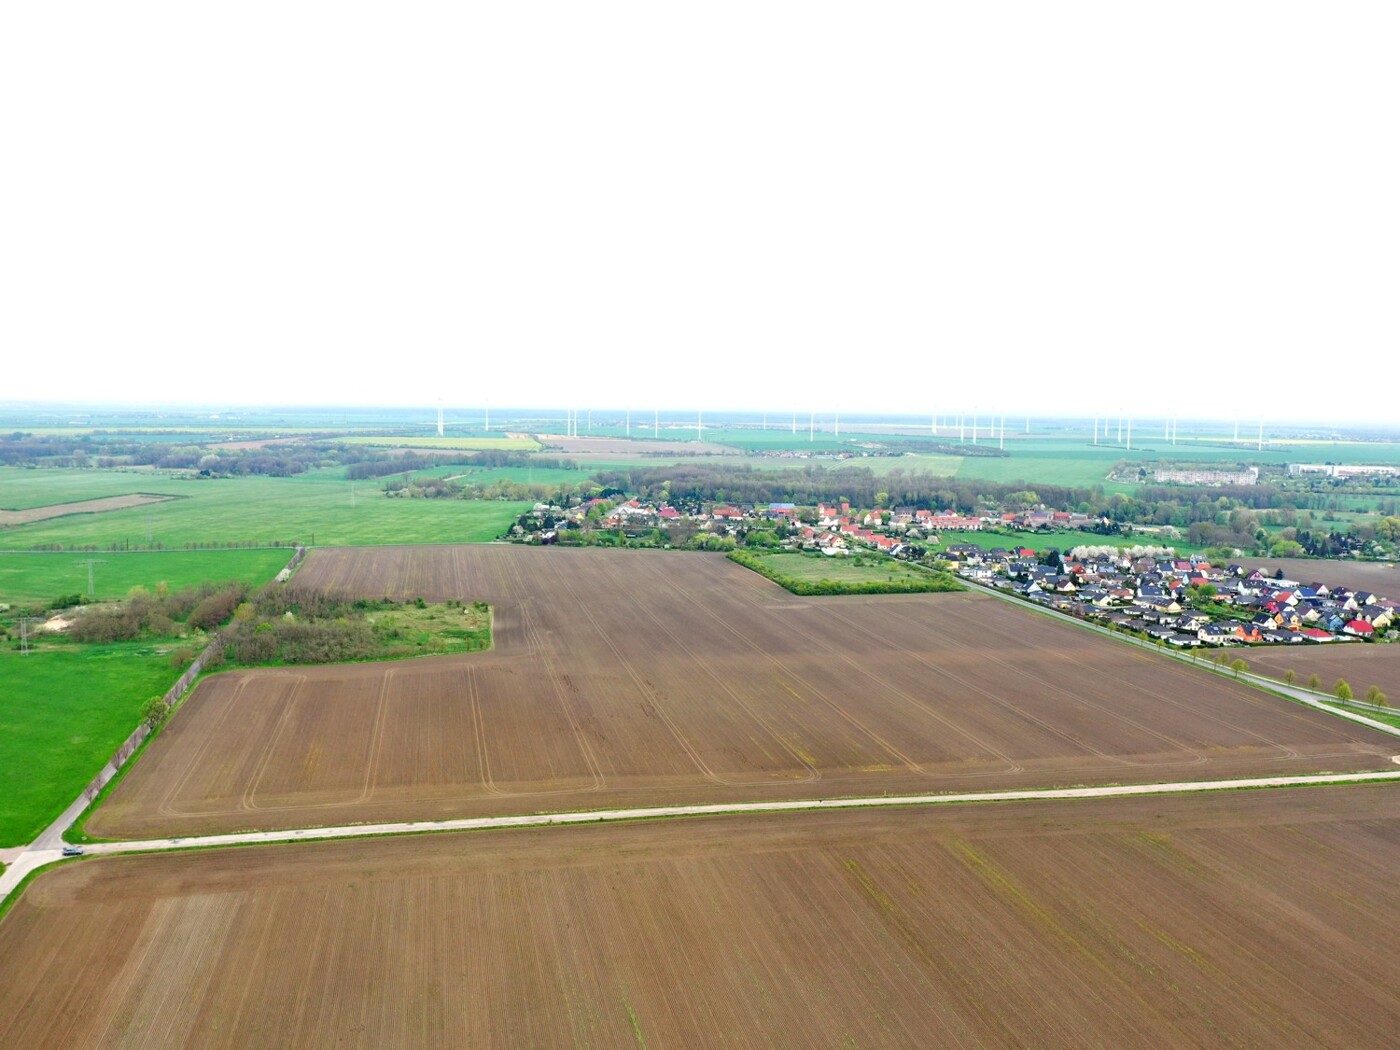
837, 527
829, 528
1182, 602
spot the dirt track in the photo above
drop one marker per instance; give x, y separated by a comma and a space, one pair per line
624, 678
1262, 918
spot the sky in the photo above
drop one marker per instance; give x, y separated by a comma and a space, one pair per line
816, 206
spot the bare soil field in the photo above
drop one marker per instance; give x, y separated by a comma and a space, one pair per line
1381, 577
636, 677
87, 506
1261, 918
1361, 665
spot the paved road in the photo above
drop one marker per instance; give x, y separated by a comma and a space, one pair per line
36, 858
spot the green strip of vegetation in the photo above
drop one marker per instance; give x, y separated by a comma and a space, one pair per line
64, 709
31, 577
282, 625
812, 574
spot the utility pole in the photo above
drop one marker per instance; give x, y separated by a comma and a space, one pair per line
24, 622
90, 562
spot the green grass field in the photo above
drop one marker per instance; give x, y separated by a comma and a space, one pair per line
819, 574
64, 709
25, 488
27, 577
320, 507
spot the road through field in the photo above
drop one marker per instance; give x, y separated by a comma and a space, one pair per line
35, 858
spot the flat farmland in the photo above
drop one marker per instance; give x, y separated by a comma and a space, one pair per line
1361, 665
1381, 577
634, 677
1262, 918
91, 506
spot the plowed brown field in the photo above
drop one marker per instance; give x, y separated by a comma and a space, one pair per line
1360, 664
1264, 918
625, 677
87, 506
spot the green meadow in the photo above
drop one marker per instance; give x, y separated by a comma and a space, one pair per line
64, 709
319, 508
30, 577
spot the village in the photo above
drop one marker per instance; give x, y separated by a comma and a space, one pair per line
1181, 601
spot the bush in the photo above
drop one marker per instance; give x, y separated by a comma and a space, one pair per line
216, 608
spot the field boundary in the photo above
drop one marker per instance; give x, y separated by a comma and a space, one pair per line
26, 865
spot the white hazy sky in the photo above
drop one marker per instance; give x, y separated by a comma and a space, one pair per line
861, 206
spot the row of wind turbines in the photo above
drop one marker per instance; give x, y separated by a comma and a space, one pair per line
995, 426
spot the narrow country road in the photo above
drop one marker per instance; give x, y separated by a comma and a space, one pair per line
35, 858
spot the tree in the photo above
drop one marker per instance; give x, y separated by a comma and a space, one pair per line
1238, 666
1290, 676
1314, 682
153, 711
1375, 696
1342, 689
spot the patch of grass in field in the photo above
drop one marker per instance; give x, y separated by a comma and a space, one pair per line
319, 507
818, 574
456, 444
64, 709
431, 629
28, 577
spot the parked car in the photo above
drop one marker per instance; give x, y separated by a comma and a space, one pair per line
72, 851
